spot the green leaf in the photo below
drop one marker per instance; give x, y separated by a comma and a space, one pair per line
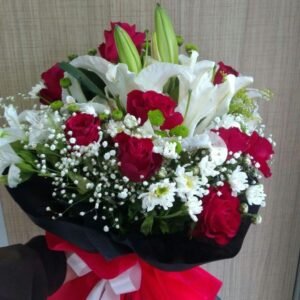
81, 185
95, 79
82, 78
164, 227
51, 156
25, 167
147, 225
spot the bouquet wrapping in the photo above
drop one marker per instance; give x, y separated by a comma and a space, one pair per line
139, 160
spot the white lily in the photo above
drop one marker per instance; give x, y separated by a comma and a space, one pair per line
221, 97
39, 125
8, 158
199, 98
14, 132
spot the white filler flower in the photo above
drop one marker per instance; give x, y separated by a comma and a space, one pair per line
238, 180
161, 193
255, 195
207, 167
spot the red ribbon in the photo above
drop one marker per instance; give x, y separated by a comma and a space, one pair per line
156, 284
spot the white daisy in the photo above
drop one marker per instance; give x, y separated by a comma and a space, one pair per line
255, 195
194, 206
161, 193
188, 185
238, 180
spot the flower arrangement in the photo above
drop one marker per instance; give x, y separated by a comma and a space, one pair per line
136, 139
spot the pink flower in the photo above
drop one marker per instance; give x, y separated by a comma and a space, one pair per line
108, 50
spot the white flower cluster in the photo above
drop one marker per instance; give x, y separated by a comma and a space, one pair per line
186, 186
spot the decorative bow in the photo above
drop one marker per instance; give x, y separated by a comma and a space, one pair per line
128, 277
111, 289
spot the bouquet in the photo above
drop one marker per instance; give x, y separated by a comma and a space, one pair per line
140, 160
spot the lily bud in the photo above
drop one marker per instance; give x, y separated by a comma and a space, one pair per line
180, 40
180, 130
65, 82
154, 48
127, 51
92, 52
166, 37
56, 105
117, 115
190, 47
72, 56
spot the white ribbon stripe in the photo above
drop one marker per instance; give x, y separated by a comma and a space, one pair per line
108, 289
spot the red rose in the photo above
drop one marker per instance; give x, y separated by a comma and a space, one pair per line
138, 162
220, 219
222, 71
140, 103
84, 127
261, 150
258, 147
108, 50
51, 79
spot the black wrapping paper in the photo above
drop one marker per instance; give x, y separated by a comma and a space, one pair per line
170, 252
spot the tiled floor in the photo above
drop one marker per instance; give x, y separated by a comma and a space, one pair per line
3, 234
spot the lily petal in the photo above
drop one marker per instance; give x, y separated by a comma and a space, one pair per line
8, 157
14, 176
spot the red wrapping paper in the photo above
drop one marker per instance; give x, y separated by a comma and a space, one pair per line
156, 284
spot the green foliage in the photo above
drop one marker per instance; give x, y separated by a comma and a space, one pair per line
103, 116
117, 115
161, 133
156, 117
52, 157
95, 79
180, 130
190, 47
81, 185
56, 105
72, 56
242, 104
92, 52
172, 88
146, 227
72, 107
65, 82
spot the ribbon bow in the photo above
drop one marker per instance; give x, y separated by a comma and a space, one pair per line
111, 289
128, 277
